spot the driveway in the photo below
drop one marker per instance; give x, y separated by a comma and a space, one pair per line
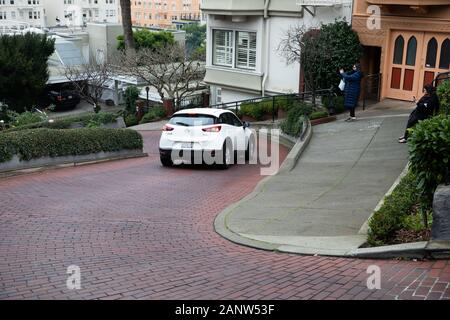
141, 231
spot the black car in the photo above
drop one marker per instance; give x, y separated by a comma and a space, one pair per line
63, 99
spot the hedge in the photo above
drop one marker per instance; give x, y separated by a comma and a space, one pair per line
154, 114
293, 124
91, 119
257, 110
38, 143
394, 212
429, 153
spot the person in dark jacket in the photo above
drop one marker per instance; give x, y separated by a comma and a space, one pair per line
352, 89
426, 107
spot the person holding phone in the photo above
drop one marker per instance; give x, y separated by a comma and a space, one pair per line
352, 89
426, 107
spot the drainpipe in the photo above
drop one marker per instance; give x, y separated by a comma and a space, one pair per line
267, 29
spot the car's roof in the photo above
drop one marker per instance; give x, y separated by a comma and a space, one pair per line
208, 111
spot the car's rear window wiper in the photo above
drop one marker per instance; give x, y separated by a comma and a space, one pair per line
182, 124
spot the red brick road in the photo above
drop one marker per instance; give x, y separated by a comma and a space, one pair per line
141, 231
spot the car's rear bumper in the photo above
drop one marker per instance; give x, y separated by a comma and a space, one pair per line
193, 156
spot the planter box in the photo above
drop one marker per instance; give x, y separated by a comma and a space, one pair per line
16, 164
322, 120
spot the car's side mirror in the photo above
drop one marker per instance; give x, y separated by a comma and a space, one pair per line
246, 124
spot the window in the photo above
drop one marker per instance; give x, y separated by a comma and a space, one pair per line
411, 51
219, 95
431, 53
444, 62
398, 50
246, 50
223, 48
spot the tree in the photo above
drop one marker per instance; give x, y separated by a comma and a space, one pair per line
125, 6
195, 38
148, 39
23, 69
321, 52
89, 81
166, 69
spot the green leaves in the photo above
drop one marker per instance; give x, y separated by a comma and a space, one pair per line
443, 92
37, 143
429, 149
23, 69
293, 125
148, 39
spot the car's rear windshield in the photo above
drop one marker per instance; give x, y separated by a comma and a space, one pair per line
190, 120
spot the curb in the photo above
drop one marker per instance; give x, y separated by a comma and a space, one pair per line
220, 222
20, 172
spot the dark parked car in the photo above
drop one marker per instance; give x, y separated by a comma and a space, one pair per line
64, 99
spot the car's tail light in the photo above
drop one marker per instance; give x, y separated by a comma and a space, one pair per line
212, 129
167, 128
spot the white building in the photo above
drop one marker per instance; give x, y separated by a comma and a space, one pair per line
21, 14
242, 40
79, 12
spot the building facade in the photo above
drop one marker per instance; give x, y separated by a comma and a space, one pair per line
75, 13
243, 60
21, 14
164, 13
407, 41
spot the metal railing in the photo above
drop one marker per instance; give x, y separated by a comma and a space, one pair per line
371, 87
442, 76
276, 101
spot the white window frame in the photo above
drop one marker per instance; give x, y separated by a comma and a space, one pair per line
234, 39
231, 32
248, 50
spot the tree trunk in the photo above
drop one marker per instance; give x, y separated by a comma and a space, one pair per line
126, 23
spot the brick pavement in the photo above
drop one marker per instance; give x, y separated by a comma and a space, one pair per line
141, 231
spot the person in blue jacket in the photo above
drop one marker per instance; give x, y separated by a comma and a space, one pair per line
352, 89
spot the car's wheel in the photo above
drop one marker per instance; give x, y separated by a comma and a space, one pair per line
249, 152
166, 162
227, 155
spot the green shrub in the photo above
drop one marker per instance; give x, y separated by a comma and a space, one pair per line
155, 113
131, 94
338, 103
37, 143
293, 124
64, 123
318, 115
131, 120
443, 92
392, 214
254, 110
429, 152
27, 117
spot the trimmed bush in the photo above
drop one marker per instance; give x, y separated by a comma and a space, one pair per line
443, 92
154, 114
131, 120
64, 123
429, 152
293, 125
338, 103
27, 117
38, 143
395, 212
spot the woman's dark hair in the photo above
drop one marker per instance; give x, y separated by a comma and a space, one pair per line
429, 88
358, 66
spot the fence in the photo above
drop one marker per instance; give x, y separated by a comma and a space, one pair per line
371, 88
274, 102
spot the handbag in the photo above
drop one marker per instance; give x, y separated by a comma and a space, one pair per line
342, 85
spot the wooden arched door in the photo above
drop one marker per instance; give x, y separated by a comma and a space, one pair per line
403, 81
436, 56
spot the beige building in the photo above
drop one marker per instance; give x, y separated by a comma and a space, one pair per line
409, 44
164, 13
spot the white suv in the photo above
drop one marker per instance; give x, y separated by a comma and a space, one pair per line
205, 135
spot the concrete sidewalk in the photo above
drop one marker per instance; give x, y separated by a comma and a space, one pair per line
320, 206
